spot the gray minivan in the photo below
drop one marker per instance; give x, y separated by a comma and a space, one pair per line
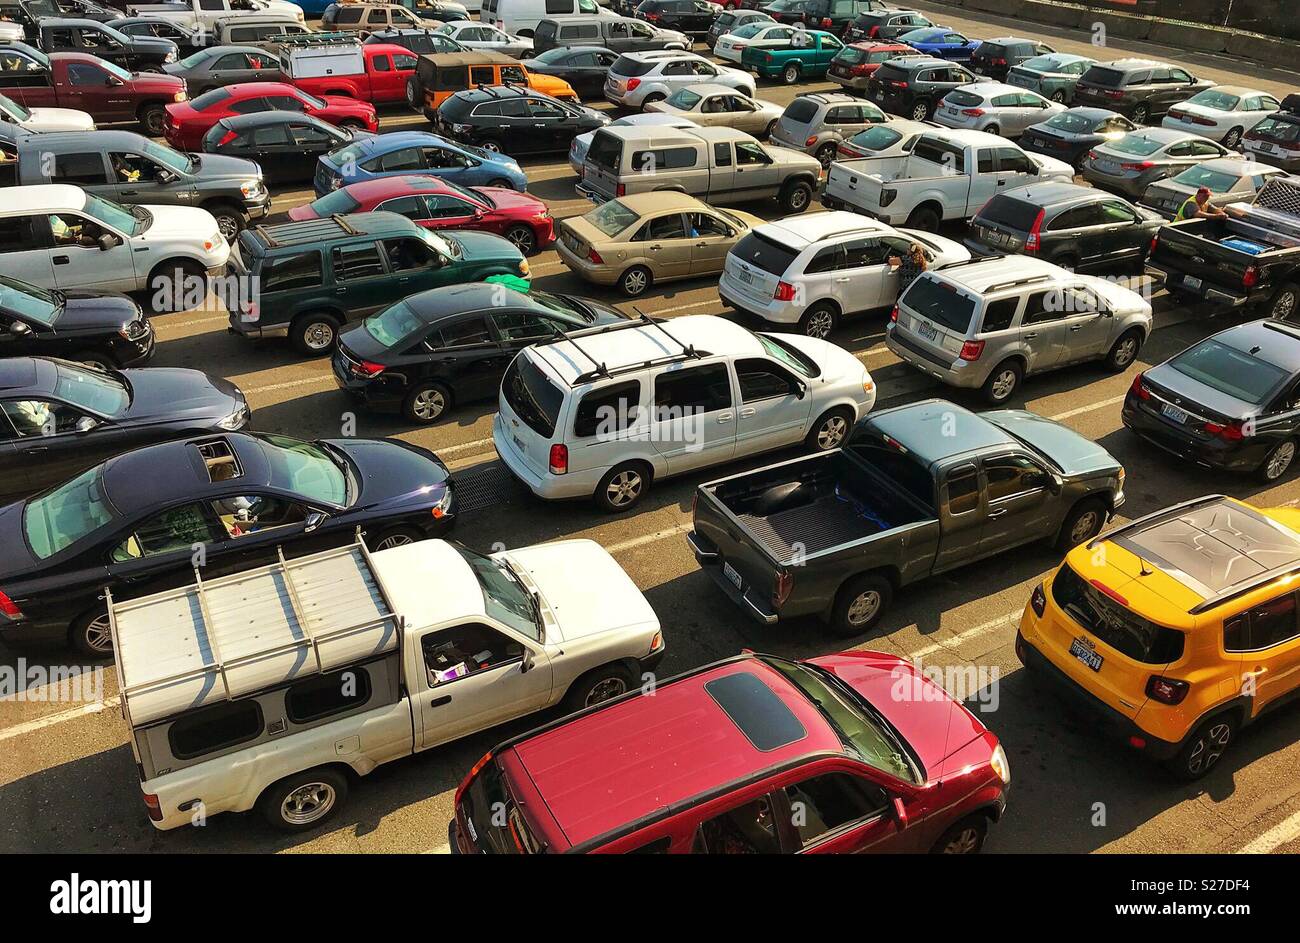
616, 33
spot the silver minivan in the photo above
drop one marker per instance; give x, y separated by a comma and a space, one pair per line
817, 123
986, 324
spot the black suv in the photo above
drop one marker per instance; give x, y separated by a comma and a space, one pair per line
836, 16
515, 120
912, 87
1080, 228
1230, 402
884, 26
996, 57
692, 17
1137, 88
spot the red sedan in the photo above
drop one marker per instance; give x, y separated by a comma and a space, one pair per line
188, 121
437, 204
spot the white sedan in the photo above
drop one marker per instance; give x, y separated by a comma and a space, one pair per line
1223, 113
44, 119
488, 38
732, 46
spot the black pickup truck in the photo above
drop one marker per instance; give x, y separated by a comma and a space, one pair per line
917, 490
1250, 257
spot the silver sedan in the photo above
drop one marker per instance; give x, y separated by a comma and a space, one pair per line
1140, 158
720, 106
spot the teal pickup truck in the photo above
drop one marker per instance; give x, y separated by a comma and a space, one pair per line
808, 55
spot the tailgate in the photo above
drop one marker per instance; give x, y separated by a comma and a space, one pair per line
721, 541
598, 181
857, 182
748, 280
1180, 249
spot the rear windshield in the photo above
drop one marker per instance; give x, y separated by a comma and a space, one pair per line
1135, 144
988, 50
1213, 98
606, 151
1110, 78
965, 99
1200, 176
876, 139
940, 302
1120, 628
903, 470
535, 399
496, 824
1230, 371
1040, 64
800, 111
850, 56
765, 252
611, 218
625, 65
891, 73
1008, 211
1276, 129
1071, 123
209, 98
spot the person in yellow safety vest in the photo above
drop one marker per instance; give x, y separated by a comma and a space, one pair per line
1198, 207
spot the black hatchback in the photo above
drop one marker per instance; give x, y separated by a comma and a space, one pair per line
835, 16
452, 345
285, 144
100, 329
1080, 228
692, 17
1230, 402
514, 120
996, 57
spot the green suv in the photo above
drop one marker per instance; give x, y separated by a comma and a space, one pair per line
306, 279
807, 56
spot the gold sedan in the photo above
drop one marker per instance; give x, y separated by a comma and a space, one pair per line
717, 106
637, 240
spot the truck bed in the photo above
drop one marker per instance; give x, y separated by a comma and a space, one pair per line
1209, 258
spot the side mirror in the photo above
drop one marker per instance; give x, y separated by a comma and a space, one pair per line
165, 176
20, 329
800, 390
85, 424
112, 81
314, 520
526, 665
1055, 483
900, 813
108, 241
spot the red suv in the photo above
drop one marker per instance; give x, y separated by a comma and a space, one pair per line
756, 754
188, 121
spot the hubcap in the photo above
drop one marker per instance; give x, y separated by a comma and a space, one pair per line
1126, 351
826, 156
428, 404
1233, 137
1285, 306
522, 238
863, 609
1084, 527
831, 434
1209, 748
819, 325
319, 336
98, 636
605, 690
791, 76
623, 488
634, 282
1281, 459
229, 227
308, 803
1004, 384
798, 198
394, 540
918, 113
492, 146
963, 843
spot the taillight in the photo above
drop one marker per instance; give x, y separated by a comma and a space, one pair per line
367, 369
474, 771
1167, 690
695, 501
621, 190
153, 806
826, 22
781, 591
559, 459
863, 69
252, 312
1229, 432
898, 84
1139, 389
1034, 242
893, 315
811, 141
1137, 165
1092, 155
784, 292
1112, 93
998, 61
8, 608
632, 84
1038, 601
1099, 585
973, 112
1250, 277
594, 256
874, 32
1151, 249
971, 350
845, 151
227, 138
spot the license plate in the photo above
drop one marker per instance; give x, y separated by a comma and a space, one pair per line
839, 70
880, 96
1085, 654
746, 277
519, 443
1172, 412
1266, 147
951, 110
1192, 283
732, 575
1108, 166
928, 331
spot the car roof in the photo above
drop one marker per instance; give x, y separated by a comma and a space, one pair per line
630, 346
712, 88
917, 62
656, 201
1126, 65
1055, 193
982, 275
799, 232
1274, 342
971, 138
1164, 135
1091, 112
89, 139
284, 235
42, 198
1240, 90
1008, 39
631, 759
434, 304
382, 143
18, 372
988, 89
651, 132
132, 480
216, 52
935, 429
1235, 164
259, 118
384, 187
474, 96
261, 88
826, 98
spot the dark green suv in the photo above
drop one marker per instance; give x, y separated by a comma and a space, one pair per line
304, 280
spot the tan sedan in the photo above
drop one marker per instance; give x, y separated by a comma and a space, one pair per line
721, 107
637, 240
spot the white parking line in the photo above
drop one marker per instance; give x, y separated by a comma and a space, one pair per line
323, 378
1275, 837
1069, 413
973, 632
50, 720
632, 544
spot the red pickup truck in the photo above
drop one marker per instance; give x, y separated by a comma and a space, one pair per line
376, 73
79, 80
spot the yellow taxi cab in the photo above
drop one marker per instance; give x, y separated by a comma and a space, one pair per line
1175, 630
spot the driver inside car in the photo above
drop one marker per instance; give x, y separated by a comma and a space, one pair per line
74, 231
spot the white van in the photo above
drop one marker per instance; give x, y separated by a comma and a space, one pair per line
608, 410
520, 17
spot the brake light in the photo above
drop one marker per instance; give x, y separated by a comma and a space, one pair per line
1139, 389
9, 608
652, 17
153, 807
1092, 155
898, 84
474, 771
826, 22
620, 190
784, 292
1038, 600
863, 69
971, 350
594, 256
1112, 93
1139, 165
1229, 432
997, 62
252, 312
1250, 277
1167, 690
367, 369
559, 461
227, 138
695, 501
768, 57
1098, 584
973, 112
781, 591
893, 315
632, 84
1151, 249
811, 141
845, 151
1034, 241
873, 32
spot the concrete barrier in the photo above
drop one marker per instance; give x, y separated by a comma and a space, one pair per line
1119, 25
1180, 36
1283, 53
1054, 14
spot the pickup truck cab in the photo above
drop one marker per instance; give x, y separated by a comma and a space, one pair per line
807, 56
916, 490
948, 175
87, 83
134, 53
375, 73
380, 655
204, 14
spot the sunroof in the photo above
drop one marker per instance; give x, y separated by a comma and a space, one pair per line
754, 707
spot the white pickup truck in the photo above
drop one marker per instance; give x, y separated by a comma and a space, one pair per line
202, 15
276, 687
948, 175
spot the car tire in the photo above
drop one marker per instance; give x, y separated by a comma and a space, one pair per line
825, 154
790, 74
830, 431
1067, 262
352, 124
1232, 139
597, 686
993, 129
166, 276
90, 635
1124, 351
795, 196
623, 487
819, 321
1285, 303
771, 128
1141, 113
303, 801
94, 360
426, 403
859, 605
1084, 522
1278, 461
1058, 96
524, 238
636, 281
1204, 748
964, 838
414, 99
153, 120
391, 537
313, 334
491, 145
230, 219
924, 218
1003, 381
503, 183
920, 111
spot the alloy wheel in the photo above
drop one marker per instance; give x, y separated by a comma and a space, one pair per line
864, 608
308, 803
605, 690
98, 635
1084, 527
1280, 460
428, 404
623, 488
1004, 384
1209, 748
965, 842
832, 433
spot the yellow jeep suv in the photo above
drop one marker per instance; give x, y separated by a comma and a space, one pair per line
1175, 630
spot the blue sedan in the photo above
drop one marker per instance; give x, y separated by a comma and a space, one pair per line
941, 42
416, 152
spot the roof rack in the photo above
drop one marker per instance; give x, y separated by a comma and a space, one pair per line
1292, 330
1016, 282
266, 236
344, 225
338, 37
1158, 517
601, 371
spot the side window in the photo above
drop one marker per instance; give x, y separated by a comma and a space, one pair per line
215, 728
749, 154
830, 802
1076, 218
963, 490
722, 154
18, 234
1273, 623
250, 106
247, 514
353, 262
83, 169
863, 253
762, 379
482, 75
1011, 159
327, 694
665, 227
469, 332
747, 829
293, 272
1043, 306
273, 135
408, 255
521, 325
692, 391
999, 314
442, 206
830, 259
33, 418
706, 224
1012, 474
609, 410
986, 160
465, 650
407, 158
306, 135
382, 64
177, 529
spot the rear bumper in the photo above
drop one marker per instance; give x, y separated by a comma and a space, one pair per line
710, 562
774, 313
952, 374
1217, 455
580, 484
1177, 281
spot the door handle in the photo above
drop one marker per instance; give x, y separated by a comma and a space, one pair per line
997, 512
841, 280
60, 260
130, 193
747, 412
655, 248
1031, 335
439, 701
36, 449
1077, 327
341, 290
725, 417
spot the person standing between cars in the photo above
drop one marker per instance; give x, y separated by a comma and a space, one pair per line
909, 266
1198, 207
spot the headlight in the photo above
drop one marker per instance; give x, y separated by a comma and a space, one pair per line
444, 504
181, 96
170, 57
1000, 765
336, 182
523, 267
251, 189
236, 420
135, 330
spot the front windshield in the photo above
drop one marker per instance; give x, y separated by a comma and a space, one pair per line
94, 392
113, 215
876, 139
394, 324
558, 54
472, 195
564, 306
612, 218
61, 517
174, 161
311, 101
684, 99
30, 302
504, 597
446, 29
867, 736
338, 202
203, 55
1202, 176
13, 109
306, 469
777, 350
114, 70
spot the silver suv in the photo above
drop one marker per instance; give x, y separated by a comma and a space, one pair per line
817, 123
985, 324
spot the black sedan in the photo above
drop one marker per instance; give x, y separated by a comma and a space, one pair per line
100, 330
583, 67
215, 66
451, 345
187, 42
144, 521
58, 418
1231, 402
1069, 135
285, 144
